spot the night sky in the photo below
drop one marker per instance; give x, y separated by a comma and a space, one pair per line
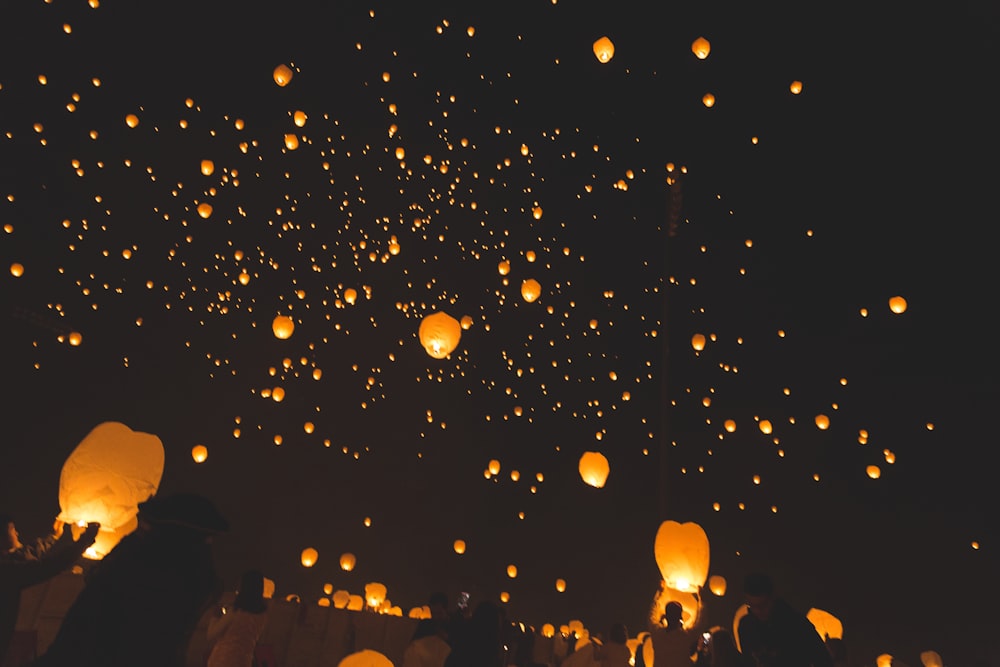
799, 217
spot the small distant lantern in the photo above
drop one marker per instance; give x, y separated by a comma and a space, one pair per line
282, 75
291, 141
897, 304
459, 547
594, 469
531, 289
439, 333
701, 47
548, 631
309, 557
682, 554
282, 326
17, 270
340, 599
604, 49
512, 571
561, 585
199, 453
873, 471
375, 594
347, 561
351, 295
729, 425
536, 213
205, 210
717, 584
503, 267
505, 597
708, 99
795, 87
131, 120
207, 167
466, 322
698, 342
494, 467
765, 426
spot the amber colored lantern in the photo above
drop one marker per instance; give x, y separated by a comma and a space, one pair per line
873, 471
561, 585
897, 304
931, 659
282, 326
375, 594
827, 625
355, 603
365, 658
604, 49
347, 561
708, 99
199, 453
682, 554
698, 342
884, 660
717, 584
531, 289
822, 422
104, 479
459, 547
594, 469
207, 167
795, 87
439, 333
548, 631
268, 588
701, 47
309, 557
340, 599
282, 75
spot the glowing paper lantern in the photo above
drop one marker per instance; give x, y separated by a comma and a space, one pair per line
199, 453
765, 426
701, 47
931, 659
375, 594
365, 658
459, 547
494, 467
439, 333
131, 120
104, 479
874, 472
355, 603
604, 49
17, 270
268, 588
795, 87
690, 603
283, 326
548, 631
309, 557
347, 561
503, 267
822, 422
205, 210
561, 585
512, 571
897, 304
729, 425
350, 295
698, 342
531, 289
884, 660
827, 625
282, 75
682, 554
708, 100
207, 167
717, 584
594, 469
340, 599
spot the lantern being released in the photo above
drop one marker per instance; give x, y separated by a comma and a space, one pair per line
104, 479
439, 333
682, 553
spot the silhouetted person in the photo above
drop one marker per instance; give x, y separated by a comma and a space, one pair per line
614, 652
480, 641
143, 601
429, 646
672, 644
776, 635
20, 570
722, 651
234, 633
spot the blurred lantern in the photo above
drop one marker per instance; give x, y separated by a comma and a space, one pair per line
416, 612
512, 571
327, 589
465, 322
207, 167
874, 472
340, 599
282, 326
355, 603
131, 120
309, 557
104, 479
701, 48
561, 585
717, 584
282, 75
682, 553
375, 594
698, 342
897, 304
74, 338
347, 561
459, 547
504, 597
884, 660
730, 425
931, 659
439, 333
503, 268
765, 426
205, 210
494, 467
17, 270
604, 49
530, 290
594, 469
291, 141
350, 295
323, 602
536, 213
365, 658
822, 422
827, 625
795, 87
199, 453
268, 588
690, 603
708, 100
548, 631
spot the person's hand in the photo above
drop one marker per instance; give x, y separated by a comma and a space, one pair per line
89, 535
57, 528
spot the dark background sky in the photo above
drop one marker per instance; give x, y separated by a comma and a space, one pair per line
875, 181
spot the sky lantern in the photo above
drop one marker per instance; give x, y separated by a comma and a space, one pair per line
131, 120
199, 453
439, 333
291, 141
282, 326
309, 557
548, 631
350, 295
512, 571
827, 625
205, 210
698, 342
531, 289
494, 467
268, 588
466, 322
594, 469
282, 75
536, 213
765, 426
701, 47
795, 87
682, 554
884, 660
355, 602
347, 561
604, 49
375, 594
708, 99
822, 422
503, 267
873, 471
207, 167
729, 425
16, 270
717, 584
561, 585
299, 118
75, 338
365, 658
104, 479
931, 659
897, 304
340, 599
459, 547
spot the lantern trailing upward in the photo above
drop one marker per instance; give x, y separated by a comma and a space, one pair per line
701, 48
105, 478
604, 49
682, 553
594, 469
439, 333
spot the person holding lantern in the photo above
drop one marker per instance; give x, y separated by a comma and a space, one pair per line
776, 635
21, 568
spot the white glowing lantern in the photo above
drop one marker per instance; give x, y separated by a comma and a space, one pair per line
682, 553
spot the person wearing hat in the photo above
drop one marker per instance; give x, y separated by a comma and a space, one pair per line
142, 602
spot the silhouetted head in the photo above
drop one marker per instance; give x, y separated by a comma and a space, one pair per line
618, 633
673, 613
758, 589
250, 594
